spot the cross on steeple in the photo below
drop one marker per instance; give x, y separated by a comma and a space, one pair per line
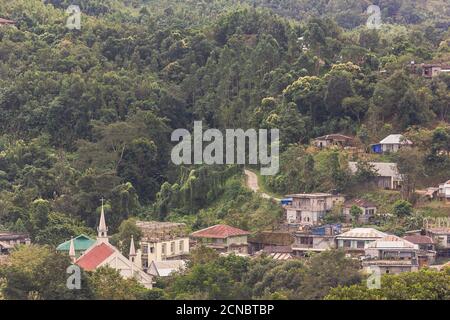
102, 228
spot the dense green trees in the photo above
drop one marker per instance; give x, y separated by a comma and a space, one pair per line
426, 284
235, 277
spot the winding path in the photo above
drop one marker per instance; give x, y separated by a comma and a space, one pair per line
252, 183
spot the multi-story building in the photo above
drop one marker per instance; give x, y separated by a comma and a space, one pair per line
162, 241
391, 254
223, 238
315, 239
355, 240
309, 209
441, 238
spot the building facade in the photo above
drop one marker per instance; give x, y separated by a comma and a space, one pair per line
223, 238
309, 209
162, 241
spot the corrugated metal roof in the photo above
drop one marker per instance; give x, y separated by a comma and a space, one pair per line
419, 239
395, 139
220, 231
392, 241
384, 169
362, 233
166, 267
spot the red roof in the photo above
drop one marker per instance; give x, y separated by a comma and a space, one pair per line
220, 231
94, 257
5, 21
419, 239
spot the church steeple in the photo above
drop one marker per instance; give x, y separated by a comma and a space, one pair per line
132, 254
72, 253
102, 228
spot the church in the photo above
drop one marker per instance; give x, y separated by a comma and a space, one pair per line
101, 253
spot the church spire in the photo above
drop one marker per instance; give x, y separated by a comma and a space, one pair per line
132, 254
102, 228
72, 253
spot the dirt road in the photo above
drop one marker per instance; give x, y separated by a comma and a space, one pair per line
252, 183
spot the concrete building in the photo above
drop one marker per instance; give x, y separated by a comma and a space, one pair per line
309, 209
355, 240
434, 69
444, 191
271, 240
441, 238
315, 239
427, 251
391, 254
162, 241
223, 238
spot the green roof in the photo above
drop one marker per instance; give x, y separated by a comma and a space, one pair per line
81, 243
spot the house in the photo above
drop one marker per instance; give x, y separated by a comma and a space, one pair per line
392, 143
166, 268
315, 239
355, 240
162, 241
441, 238
309, 209
269, 239
8, 240
369, 209
81, 244
444, 191
427, 253
391, 254
434, 69
6, 22
223, 238
388, 175
104, 254
333, 140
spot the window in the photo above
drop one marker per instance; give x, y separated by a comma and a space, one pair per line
182, 245
360, 244
347, 243
172, 247
152, 249
163, 248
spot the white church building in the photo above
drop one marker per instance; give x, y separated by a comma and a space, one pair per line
102, 253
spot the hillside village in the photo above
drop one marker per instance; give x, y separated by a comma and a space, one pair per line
88, 183
164, 247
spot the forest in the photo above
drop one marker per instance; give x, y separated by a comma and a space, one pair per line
87, 114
